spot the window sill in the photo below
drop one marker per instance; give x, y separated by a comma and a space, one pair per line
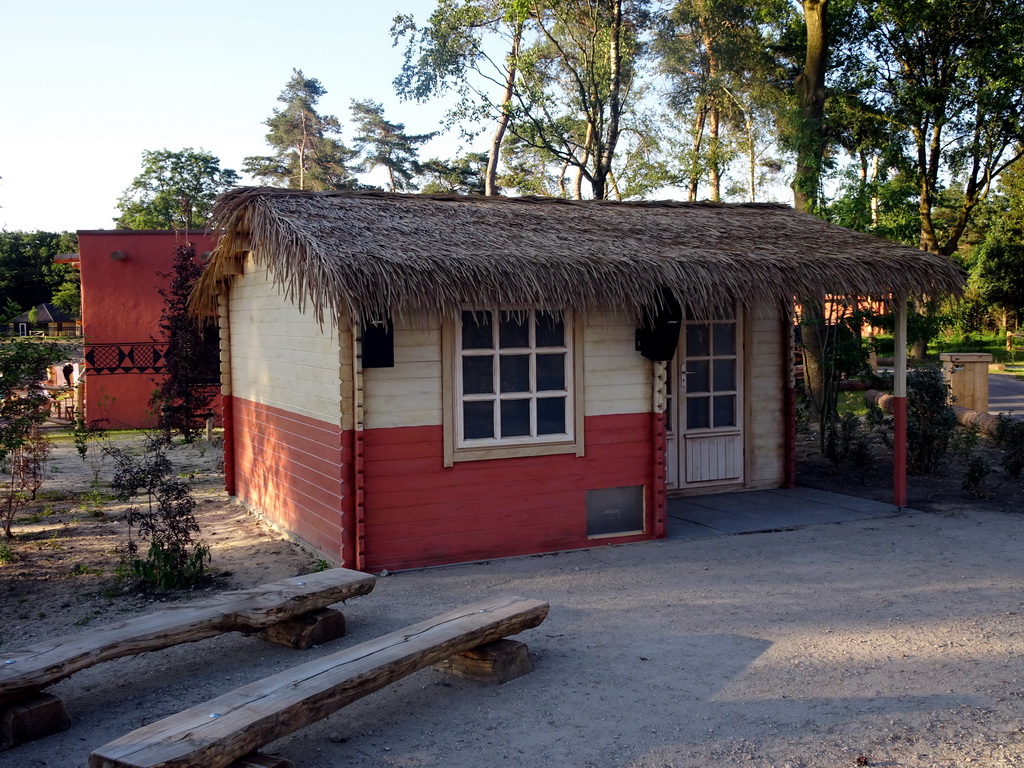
486, 453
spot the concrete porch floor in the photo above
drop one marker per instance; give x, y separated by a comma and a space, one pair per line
722, 514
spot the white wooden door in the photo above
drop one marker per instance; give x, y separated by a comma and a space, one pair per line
706, 406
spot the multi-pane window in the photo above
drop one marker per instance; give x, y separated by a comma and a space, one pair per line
514, 377
711, 380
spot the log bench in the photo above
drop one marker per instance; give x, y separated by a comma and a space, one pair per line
228, 730
292, 612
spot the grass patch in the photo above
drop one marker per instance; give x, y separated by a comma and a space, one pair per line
51, 543
852, 402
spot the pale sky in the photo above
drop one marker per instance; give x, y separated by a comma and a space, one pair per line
87, 85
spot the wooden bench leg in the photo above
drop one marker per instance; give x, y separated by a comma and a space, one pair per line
34, 717
308, 630
259, 760
496, 662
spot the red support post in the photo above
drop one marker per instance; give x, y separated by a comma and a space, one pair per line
899, 425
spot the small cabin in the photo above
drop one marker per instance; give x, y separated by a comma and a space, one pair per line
44, 320
412, 380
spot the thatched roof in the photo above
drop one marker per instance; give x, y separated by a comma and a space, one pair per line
378, 252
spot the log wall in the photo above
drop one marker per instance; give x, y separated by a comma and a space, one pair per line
287, 383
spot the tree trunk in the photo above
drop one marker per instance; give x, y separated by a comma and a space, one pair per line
611, 136
810, 87
302, 154
714, 156
491, 178
875, 202
698, 140
748, 124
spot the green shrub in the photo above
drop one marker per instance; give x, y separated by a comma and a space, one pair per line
1010, 437
162, 511
931, 423
6, 553
930, 420
977, 470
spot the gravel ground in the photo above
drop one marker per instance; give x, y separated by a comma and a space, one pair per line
887, 642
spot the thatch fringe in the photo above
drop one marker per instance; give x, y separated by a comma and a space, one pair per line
375, 253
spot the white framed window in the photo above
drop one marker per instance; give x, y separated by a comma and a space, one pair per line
513, 384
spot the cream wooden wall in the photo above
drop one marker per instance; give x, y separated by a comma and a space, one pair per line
408, 395
764, 346
281, 357
616, 378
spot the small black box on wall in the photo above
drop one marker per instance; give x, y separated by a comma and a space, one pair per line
378, 344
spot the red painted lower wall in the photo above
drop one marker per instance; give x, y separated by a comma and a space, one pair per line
419, 512
290, 468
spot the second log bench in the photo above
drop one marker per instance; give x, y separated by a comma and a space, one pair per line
228, 730
284, 611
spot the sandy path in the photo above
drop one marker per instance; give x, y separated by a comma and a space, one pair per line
895, 642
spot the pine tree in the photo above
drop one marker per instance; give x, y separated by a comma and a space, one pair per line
387, 145
307, 152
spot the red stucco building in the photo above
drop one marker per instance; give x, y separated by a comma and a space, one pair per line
121, 306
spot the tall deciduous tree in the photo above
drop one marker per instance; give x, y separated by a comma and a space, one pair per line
580, 80
383, 144
810, 134
719, 59
997, 265
950, 75
307, 151
472, 47
175, 190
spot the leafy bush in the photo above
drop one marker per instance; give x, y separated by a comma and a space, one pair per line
977, 470
848, 440
161, 511
1010, 436
931, 423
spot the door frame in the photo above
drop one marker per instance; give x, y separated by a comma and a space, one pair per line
676, 436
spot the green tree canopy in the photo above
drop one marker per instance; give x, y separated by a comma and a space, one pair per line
28, 276
580, 84
23, 365
462, 176
383, 144
68, 296
175, 190
472, 48
998, 275
946, 77
307, 151
724, 78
